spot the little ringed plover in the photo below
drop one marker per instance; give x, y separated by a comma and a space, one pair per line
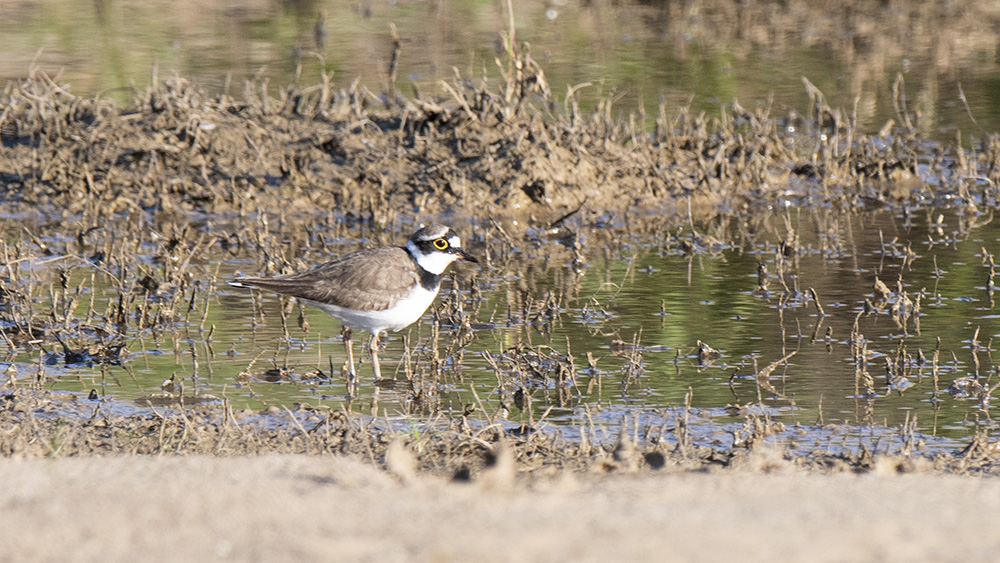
374, 289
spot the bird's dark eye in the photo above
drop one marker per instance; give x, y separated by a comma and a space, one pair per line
440, 244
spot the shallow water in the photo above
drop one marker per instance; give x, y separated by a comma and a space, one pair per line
614, 338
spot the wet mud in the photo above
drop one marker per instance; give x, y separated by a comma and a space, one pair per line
146, 193
46, 424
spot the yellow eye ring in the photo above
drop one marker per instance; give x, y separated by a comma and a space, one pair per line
440, 244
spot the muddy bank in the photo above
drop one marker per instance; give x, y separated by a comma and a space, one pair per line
508, 151
141, 194
35, 424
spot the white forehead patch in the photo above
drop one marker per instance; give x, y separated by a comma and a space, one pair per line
431, 232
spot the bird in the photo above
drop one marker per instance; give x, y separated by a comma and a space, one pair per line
374, 289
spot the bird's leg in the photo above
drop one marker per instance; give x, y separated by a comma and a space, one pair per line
345, 333
373, 346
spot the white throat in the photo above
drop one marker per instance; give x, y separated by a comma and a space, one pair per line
435, 262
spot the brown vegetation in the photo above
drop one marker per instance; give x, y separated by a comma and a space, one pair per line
184, 173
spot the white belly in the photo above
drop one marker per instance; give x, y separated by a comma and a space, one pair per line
401, 315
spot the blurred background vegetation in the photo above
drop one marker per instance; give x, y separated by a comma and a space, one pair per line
702, 52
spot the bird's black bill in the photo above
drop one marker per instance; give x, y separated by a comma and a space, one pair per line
466, 256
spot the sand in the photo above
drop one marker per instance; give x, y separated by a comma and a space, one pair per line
329, 508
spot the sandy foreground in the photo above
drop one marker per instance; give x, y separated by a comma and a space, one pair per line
199, 508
